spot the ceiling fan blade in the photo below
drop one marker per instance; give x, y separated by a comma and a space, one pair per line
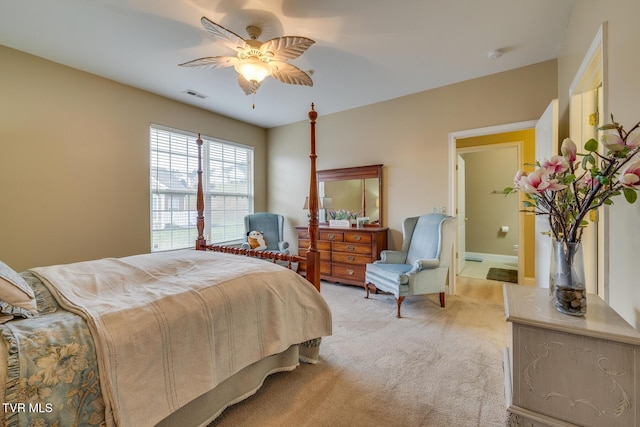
227, 37
247, 86
288, 47
211, 62
290, 74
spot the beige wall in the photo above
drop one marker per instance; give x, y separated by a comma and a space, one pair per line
74, 161
623, 91
409, 135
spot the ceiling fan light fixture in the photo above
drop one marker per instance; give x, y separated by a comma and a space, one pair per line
253, 69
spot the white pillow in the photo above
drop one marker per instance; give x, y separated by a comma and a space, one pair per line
16, 296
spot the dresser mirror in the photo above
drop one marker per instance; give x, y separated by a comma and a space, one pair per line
357, 189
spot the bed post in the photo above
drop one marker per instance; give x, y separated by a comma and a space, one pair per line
313, 256
201, 242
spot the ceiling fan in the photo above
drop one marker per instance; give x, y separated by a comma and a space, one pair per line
256, 60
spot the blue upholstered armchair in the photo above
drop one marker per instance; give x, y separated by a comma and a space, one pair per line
271, 226
422, 266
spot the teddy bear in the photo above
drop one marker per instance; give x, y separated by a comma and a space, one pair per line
256, 240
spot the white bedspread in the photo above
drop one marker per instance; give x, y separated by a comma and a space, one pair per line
171, 326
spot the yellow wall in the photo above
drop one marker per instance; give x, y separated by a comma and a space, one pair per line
528, 138
74, 161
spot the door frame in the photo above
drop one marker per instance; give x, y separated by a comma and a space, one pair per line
594, 71
452, 204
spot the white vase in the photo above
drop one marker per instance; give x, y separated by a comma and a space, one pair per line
567, 279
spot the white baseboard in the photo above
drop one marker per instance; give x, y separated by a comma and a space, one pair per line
492, 257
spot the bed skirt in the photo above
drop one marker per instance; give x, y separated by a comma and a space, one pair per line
203, 410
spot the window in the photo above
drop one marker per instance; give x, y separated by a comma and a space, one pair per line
227, 183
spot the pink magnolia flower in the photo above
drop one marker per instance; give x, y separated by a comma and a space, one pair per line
630, 175
519, 175
584, 182
633, 138
539, 182
569, 149
612, 142
556, 164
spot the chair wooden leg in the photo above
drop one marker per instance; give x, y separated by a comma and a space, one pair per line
366, 287
442, 299
399, 300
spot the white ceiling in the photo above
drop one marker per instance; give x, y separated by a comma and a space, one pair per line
366, 51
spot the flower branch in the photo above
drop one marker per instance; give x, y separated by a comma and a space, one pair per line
566, 189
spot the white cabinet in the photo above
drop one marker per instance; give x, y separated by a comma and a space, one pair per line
562, 370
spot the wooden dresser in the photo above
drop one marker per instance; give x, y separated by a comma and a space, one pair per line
569, 371
344, 252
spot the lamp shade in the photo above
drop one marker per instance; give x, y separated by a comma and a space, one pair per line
253, 69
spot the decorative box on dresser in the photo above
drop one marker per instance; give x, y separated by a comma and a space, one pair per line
344, 252
569, 371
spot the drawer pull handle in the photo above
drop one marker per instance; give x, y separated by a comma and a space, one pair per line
357, 238
350, 272
351, 258
332, 236
350, 248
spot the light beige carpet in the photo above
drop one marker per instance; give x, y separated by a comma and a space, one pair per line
434, 367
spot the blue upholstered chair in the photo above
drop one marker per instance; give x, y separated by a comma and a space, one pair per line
272, 228
422, 266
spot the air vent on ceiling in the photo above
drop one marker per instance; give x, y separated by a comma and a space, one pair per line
194, 93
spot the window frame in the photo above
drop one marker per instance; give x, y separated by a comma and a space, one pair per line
228, 188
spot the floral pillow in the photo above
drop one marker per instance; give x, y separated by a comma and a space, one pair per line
16, 296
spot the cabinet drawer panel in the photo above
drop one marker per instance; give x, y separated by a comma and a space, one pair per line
356, 237
352, 248
332, 236
324, 255
303, 233
350, 258
325, 267
325, 263
322, 246
598, 369
353, 272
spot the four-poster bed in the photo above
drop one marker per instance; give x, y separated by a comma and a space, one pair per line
166, 339
312, 256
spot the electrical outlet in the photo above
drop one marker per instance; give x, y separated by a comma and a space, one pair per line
440, 209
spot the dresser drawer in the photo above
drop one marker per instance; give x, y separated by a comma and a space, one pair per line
325, 262
352, 248
352, 272
350, 258
303, 233
332, 236
357, 237
303, 244
325, 256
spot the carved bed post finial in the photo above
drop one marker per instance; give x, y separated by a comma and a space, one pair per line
313, 256
201, 242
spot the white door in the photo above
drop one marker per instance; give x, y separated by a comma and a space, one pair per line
546, 146
461, 213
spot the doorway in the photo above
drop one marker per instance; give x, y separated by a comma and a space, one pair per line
487, 218
453, 192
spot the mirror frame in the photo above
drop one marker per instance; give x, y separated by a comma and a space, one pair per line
358, 172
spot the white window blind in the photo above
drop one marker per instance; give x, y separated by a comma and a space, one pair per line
227, 185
